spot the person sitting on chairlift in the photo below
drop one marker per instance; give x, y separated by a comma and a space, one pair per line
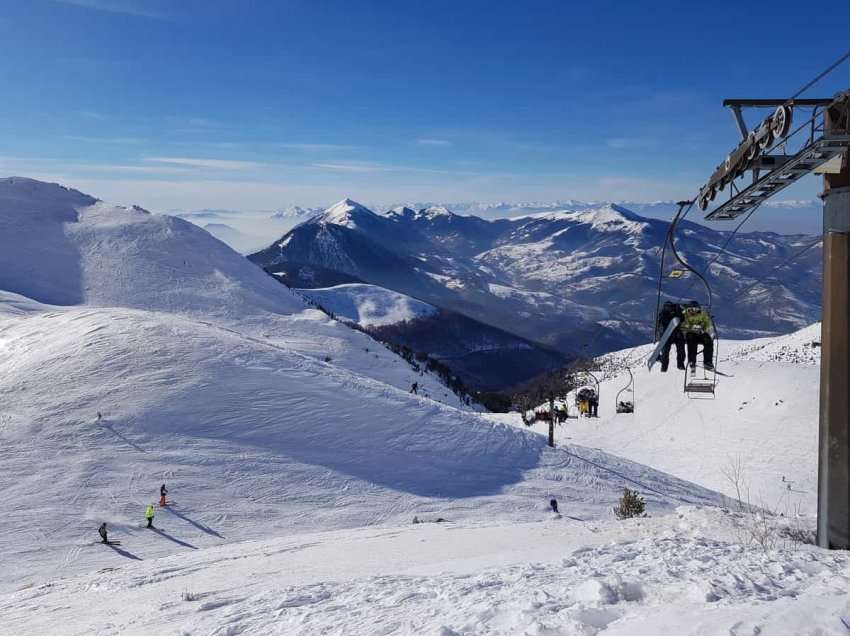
698, 330
669, 311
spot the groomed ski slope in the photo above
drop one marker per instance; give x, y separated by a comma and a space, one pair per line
763, 418
253, 441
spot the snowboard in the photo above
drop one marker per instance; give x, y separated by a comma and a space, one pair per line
656, 353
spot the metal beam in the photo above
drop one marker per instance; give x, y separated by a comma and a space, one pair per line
812, 156
773, 103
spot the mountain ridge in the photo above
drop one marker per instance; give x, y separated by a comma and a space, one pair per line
583, 281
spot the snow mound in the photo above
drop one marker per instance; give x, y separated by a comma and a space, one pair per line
64, 248
369, 305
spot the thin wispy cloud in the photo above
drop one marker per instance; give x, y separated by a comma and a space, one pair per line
96, 167
349, 167
317, 147
433, 142
91, 114
135, 8
216, 164
360, 166
106, 140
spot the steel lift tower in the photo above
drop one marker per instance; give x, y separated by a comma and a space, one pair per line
777, 157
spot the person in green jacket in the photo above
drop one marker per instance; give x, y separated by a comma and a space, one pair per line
149, 515
698, 330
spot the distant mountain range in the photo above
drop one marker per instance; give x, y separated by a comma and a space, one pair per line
582, 281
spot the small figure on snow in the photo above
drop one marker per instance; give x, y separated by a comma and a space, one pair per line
553, 504
162, 492
102, 532
593, 405
414, 388
149, 515
99, 417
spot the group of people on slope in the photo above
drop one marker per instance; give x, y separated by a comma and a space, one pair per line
695, 329
587, 402
163, 491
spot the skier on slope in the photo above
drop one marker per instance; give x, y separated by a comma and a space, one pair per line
162, 492
414, 388
698, 330
149, 515
102, 532
553, 504
669, 311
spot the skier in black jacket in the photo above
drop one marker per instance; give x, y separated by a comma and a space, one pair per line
669, 311
102, 532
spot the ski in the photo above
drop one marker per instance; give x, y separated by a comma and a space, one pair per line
656, 353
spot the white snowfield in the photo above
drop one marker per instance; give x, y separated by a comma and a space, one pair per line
369, 305
137, 350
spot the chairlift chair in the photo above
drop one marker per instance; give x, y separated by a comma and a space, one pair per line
706, 385
623, 406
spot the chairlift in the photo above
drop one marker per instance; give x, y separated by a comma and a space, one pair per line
626, 406
692, 385
589, 389
704, 386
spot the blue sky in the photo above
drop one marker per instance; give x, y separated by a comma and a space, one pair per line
224, 103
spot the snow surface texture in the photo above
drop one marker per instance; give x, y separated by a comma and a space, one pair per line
678, 574
369, 305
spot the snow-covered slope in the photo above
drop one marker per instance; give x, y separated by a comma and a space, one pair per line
681, 574
369, 305
265, 418
252, 438
175, 360
763, 418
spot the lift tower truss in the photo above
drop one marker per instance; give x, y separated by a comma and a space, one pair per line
777, 158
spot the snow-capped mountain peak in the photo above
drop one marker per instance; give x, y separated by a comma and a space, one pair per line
604, 218
345, 213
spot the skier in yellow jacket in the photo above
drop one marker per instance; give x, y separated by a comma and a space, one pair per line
149, 515
698, 330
